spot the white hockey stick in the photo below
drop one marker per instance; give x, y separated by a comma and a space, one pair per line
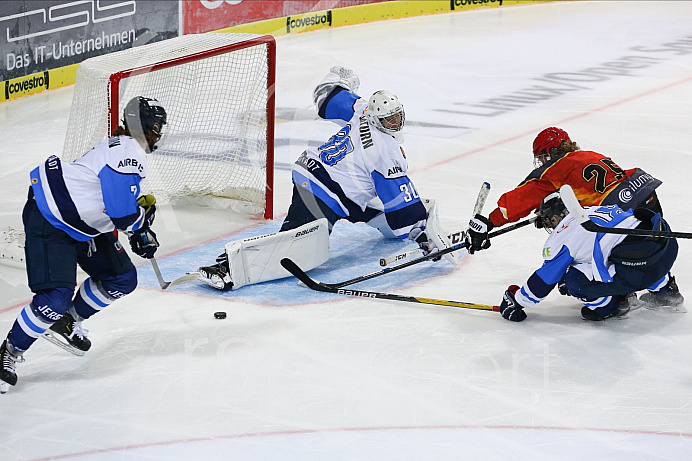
575, 209
454, 238
187, 278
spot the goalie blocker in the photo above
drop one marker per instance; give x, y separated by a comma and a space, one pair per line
258, 259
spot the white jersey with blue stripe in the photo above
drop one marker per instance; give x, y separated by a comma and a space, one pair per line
571, 245
358, 164
96, 193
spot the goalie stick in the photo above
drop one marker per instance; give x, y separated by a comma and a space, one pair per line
575, 209
187, 278
428, 257
293, 268
455, 237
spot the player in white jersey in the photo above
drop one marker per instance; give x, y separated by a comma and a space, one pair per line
600, 269
72, 216
338, 180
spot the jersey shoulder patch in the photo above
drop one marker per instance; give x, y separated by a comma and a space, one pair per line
126, 156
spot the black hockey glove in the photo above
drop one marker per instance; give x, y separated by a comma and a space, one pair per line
510, 308
477, 238
148, 203
143, 243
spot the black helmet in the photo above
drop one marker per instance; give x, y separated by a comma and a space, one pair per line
551, 205
146, 113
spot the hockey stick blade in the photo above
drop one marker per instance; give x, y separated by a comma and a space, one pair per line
573, 206
575, 209
187, 278
293, 268
482, 197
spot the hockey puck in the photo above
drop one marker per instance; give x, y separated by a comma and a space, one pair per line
219, 315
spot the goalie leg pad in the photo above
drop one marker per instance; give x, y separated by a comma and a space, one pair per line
437, 236
257, 259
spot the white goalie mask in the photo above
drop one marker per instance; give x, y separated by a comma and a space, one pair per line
386, 113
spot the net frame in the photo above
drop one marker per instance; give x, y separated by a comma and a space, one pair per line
191, 50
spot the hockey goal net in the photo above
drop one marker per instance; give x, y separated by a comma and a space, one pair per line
218, 92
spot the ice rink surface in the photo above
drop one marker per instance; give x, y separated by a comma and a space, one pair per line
296, 375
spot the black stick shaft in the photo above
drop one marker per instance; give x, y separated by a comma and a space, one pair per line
428, 257
323, 287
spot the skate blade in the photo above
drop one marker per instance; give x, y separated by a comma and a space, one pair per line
4, 387
679, 309
60, 342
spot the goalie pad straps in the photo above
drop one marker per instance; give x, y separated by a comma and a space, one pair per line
438, 236
258, 259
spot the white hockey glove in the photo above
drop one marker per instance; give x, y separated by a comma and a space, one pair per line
347, 78
337, 76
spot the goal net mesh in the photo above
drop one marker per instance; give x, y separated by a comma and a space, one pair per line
214, 88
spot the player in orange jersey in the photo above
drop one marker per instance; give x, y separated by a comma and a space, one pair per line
595, 179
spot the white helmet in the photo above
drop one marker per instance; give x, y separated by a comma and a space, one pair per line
386, 113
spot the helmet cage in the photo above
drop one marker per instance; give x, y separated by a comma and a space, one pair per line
546, 144
385, 112
551, 207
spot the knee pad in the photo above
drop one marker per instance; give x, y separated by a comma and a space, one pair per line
120, 285
52, 303
94, 296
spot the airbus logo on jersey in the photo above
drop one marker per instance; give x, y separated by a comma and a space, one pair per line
395, 170
131, 162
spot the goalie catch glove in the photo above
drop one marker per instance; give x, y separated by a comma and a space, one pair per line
510, 308
477, 238
338, 76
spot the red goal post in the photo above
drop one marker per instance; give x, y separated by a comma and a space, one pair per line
217, 148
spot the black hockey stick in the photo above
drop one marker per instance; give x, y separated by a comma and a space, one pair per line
575, 209
293, 268
454, 237
427, 257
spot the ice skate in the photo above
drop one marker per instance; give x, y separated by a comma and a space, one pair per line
622, 310
217, 275
669, 295
69, 334
8, 375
